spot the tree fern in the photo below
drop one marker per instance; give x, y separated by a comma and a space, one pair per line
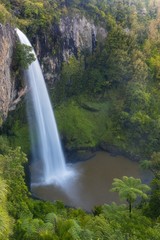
129, 189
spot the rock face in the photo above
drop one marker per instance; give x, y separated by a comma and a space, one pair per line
79, 34
72, 35
7, 39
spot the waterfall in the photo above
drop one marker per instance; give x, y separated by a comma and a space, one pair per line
46, 146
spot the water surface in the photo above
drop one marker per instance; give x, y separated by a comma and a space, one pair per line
93, 181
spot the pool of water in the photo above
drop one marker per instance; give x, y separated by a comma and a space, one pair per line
90, 186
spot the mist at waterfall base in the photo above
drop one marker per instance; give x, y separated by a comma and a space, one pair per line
83, 184
48, 158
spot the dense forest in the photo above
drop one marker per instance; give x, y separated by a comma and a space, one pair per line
112, 93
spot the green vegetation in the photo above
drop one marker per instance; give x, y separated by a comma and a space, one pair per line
25, 218
153, 164
6, 222
110, 96
23, 56
5, 16
123, 72
129, 189
17, 129
89, 125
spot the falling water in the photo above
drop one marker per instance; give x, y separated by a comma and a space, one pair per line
46, 148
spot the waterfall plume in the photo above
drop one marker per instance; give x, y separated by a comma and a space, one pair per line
46, 146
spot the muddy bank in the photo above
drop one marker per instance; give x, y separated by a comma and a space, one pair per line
85, 153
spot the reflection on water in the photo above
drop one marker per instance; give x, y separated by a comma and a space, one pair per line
91, 186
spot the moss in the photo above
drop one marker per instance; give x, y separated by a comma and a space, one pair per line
21, 137
81, 127
17, 129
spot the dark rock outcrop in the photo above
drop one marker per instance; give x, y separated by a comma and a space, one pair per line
72, 35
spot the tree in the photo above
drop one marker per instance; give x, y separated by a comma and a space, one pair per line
154, 206
12, 170
71, 79
6, 222
23, 56
5, 16
153, 165
129, 189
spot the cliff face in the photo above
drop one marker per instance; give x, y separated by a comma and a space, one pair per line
7, 39
79, 33
72, 35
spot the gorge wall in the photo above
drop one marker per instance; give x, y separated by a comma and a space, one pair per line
7, 82
73, 34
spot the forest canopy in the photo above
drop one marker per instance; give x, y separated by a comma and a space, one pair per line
113, 95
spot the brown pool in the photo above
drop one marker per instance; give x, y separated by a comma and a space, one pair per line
91, 184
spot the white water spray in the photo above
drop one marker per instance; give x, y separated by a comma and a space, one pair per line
47, 147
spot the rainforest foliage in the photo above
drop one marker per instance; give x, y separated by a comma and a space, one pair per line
123, 72
114, 88
112, 95
25, 218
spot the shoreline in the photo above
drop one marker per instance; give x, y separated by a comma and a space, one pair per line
75, 155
